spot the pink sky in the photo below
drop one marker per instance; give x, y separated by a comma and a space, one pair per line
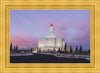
28, 26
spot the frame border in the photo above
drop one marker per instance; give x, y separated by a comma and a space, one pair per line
7, 5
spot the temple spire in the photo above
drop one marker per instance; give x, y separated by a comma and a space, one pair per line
51, 33
51, 28
51, 25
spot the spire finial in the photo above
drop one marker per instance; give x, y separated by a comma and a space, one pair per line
51, 25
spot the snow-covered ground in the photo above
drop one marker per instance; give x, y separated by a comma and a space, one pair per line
69, 55
55, 54
19, 54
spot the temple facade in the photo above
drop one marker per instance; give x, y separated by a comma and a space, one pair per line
51, 42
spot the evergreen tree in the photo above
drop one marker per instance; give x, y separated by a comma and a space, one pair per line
88, 50
76, 49
16, 48
70, 49
65, 47
31, 49
80, 50
11, 46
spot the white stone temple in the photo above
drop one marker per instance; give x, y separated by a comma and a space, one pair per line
51, 42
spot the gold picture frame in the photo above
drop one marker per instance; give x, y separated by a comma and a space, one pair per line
7, 5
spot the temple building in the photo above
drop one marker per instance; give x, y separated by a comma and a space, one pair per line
51, 42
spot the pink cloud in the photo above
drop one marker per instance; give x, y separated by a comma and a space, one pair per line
59, 28
24, 35
61, 23
61, 34
57, 22
25, 41
83, 38
17, 41
84, 25
21, 33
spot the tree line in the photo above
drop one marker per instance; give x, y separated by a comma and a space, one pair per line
76, 49
15, 48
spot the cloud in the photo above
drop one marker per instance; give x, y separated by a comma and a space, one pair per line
23, 43
58, 28
82, 26
57, 22
20, 33
61, 34
24, 35
83, 38
25, 40
59, 25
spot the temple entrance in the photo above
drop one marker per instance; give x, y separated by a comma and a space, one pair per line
48, 50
